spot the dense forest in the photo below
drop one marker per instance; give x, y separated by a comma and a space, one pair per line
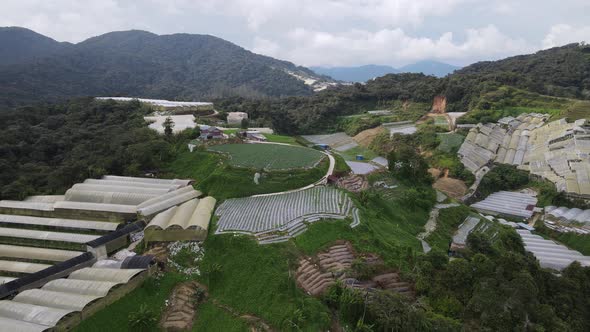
547, 79
141, 64
46, 149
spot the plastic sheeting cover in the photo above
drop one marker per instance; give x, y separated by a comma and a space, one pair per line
58, 222
80, 287
203, 212
43, 254
8, 324
21, 267
32, 313
44, 235
106, 197
55, 299
105, 274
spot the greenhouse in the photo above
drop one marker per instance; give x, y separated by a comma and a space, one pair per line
189, 221
45, 308
37, 254
550, 254
7, 219
508, 204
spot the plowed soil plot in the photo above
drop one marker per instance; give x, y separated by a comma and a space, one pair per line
270, 156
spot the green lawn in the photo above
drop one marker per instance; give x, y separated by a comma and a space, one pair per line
450, 141
215, 177
269, 156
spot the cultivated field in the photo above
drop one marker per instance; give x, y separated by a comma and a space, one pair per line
270, 156
448, 142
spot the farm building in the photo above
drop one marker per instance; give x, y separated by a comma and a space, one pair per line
336, 141
508, 204
210, 132
255, 135
186, 222
276, 218
550, 254
53, 249
236, 118
167, 105
557, 151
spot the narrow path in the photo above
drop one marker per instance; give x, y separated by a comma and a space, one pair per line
430, 225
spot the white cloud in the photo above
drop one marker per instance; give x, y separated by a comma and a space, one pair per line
394, 46
562, 34
266, 47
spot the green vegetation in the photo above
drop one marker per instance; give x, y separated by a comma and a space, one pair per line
218, 179
502, 177
351, 154
256, 279
341, 166
579, 242
281, 139
447, 223
46, 149
120, 315
450, 142
269, 156
212, 318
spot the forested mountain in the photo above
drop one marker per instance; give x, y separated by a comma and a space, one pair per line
139, 63
355, 74
429, 67
19, 45
368, 72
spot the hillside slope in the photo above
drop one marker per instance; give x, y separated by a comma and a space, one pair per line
139, 63
21, 45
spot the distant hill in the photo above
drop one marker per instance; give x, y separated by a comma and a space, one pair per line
139, 63
19, 45
434, 68
367, 72
355, 74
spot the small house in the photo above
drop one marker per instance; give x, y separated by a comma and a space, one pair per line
210, 132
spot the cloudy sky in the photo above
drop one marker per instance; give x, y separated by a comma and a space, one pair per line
327, 32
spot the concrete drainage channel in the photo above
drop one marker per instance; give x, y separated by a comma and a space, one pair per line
430, 225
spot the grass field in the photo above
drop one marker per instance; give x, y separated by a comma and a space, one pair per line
115, 317
281, 139
351, 154
269, 156
450, 141
216, 178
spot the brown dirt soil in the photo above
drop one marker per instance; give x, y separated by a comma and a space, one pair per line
365, 137
315, 274
439, 105
354, 183
435, 172
451, 187
180, 313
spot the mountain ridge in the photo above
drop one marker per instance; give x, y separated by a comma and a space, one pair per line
367, 72
140, 63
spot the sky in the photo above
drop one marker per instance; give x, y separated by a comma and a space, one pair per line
327, 32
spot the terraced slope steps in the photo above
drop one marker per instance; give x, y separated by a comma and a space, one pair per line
316, 274
277, 218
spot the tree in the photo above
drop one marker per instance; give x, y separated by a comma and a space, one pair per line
168, 126
407, 165
244, 124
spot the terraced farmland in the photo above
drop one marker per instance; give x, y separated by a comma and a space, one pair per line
277, 218
269, 156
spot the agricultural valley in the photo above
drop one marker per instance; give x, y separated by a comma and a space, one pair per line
215, 189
